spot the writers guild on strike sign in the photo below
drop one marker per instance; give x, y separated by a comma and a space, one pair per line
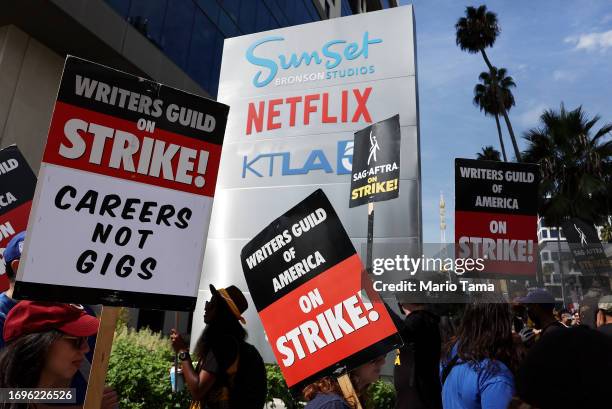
131, 166
376, 163
496, 215
305, 279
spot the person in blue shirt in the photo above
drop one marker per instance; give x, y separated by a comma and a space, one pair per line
325, 393
476, 370
11, 255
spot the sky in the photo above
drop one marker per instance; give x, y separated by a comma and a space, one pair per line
556, 51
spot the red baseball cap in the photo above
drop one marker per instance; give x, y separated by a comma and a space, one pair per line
28, 317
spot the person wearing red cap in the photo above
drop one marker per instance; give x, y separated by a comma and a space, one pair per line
45, 346
230, 373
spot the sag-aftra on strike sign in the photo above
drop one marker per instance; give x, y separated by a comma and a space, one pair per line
306, 279
121, 212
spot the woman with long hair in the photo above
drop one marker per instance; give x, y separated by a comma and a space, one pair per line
229, 373
325, 393
45, 346
477, 365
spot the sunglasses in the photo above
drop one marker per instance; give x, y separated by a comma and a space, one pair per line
76, 342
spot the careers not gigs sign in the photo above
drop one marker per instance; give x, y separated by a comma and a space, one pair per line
305, 279
496, 216
17, 184
376, 163
121, 213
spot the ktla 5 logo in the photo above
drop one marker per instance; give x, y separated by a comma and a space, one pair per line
264, 164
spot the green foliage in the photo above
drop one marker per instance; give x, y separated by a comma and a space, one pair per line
382, 395
277, 388
139, 371
139, 367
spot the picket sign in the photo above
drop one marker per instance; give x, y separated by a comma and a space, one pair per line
349, 391
135, 192
370, 240
99, 364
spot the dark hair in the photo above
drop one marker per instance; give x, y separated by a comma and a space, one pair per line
485, 332
547, 308
542, 379
22, 361
10, 274
224, 323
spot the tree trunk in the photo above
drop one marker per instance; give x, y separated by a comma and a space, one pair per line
561, 265
501, 141
484, 55
516, 149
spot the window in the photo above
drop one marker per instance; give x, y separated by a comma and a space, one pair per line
545, 234
216, 67
177, 30
346, 8
228, 26
232, 7
248, 11
147, 16
554, 233
202, 51
263, 20
211, 8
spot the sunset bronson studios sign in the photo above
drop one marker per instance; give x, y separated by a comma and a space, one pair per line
297, 96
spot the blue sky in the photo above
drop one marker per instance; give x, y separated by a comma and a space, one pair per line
556, 51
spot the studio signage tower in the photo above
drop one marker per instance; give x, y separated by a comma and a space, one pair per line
297, 96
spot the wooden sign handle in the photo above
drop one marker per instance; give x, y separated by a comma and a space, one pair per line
99, 365
348, 391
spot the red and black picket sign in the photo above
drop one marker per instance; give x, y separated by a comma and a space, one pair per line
109, 108
17, 184
131, 166
305, 279
496, 207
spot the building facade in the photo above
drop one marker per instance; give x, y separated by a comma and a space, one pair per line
175, 42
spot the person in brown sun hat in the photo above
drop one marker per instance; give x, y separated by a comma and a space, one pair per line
230, 372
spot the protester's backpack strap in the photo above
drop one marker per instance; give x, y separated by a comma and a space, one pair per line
448, 368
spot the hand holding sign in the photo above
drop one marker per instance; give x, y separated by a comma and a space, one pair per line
305, 278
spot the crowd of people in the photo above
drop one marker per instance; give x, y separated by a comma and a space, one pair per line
525, 355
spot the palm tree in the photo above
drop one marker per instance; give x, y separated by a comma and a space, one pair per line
494, 96
475, 32
485, 99
488, 153
576, 167
575, 163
